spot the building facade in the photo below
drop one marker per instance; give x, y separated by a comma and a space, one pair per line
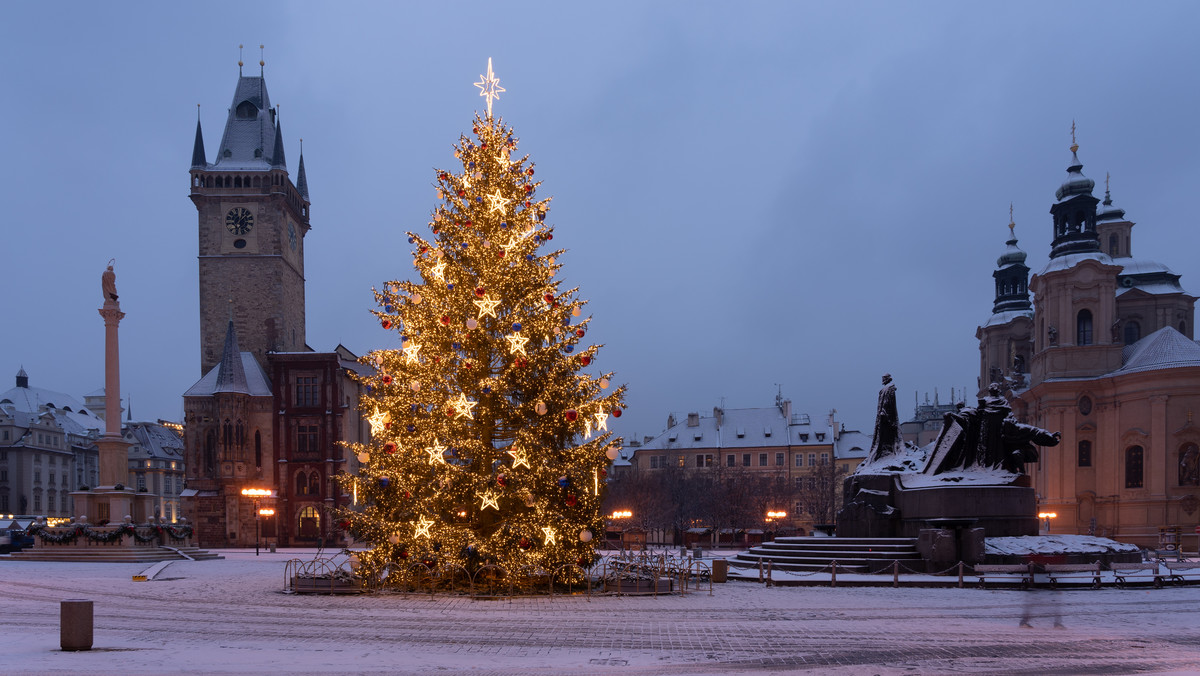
268, 412
1103, 352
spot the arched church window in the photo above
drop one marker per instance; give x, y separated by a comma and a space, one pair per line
1133, 332
240, 434
1189, 465
314, 484
301, 484
257, 449
1133, 467
1112, 246
210, 453
1084, 454
309, 522
1183, 327
227, 436
1083, 328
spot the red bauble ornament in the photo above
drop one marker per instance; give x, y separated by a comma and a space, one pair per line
474, 130
501, 480
403, 554
386, 324
527, 203
616, 413
389, 447
469, 224
500, 253
530, 172
483, 146
387, 425
436, 231
549, 235
579, 333
407, 494
479, 291
520, 362
424, 249
524, 543
344, 525
528, 188
571, 414
583, 563
449, 413
462, 193
585, 360
571, 500
386, 379
603, 473
445, 320
549, 297
443, 176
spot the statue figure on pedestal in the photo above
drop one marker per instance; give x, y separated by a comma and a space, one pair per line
108, 282
886, 440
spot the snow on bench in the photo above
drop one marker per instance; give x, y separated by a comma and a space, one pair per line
1002, 572
1124, 572
1180, 572
1073, 571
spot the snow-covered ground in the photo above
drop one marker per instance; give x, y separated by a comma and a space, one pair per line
230, 617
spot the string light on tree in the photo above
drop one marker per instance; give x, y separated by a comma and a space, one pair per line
485, 393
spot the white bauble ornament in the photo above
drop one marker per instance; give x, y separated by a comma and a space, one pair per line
604, 383
540, 408
574, 312
394, 539
585, 535
415, 386
364, 457
612, 453
472, 324
416, 299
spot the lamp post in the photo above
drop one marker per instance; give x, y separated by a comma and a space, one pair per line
1045, 517
256, 494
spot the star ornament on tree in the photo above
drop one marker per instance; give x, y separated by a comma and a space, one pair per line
518, 458
377, 421
439, 271
489, 87
423, 528
464, 407
516, 343
437, 453
602, 421
497, 202
487, 306
549, 535
410, 353
489, 499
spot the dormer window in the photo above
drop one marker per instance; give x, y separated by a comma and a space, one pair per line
820, 436
766, 431
803, 437
741, 432
246, 111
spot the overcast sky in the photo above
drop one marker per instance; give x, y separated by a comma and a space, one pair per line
753, 195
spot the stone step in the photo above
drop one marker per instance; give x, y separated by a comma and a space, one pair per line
866, 555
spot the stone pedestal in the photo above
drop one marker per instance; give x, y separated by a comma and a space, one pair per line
879, 505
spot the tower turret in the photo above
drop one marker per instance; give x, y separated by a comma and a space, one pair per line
1074, 211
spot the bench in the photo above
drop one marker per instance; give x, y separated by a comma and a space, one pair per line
1178, 572
1124, 572
1072, 571
1003, 572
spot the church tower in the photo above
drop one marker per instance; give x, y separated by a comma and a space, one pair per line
252, 223
1006, 340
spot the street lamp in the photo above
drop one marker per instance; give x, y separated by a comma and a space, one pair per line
1045, 517
256, 494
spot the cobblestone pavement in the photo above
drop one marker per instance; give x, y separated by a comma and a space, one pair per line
229, 617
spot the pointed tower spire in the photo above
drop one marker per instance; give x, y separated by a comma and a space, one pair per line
1012, 275
198, 157
301, 178
1074, 211
231, 375
277, 159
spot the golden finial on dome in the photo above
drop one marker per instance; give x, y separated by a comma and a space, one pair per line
1074, 145
262, 61
1012, 225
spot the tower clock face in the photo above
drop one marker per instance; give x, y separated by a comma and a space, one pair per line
239, 221
292, 234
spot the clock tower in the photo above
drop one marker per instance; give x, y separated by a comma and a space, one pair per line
252, 223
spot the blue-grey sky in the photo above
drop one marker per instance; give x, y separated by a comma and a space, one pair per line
752, 194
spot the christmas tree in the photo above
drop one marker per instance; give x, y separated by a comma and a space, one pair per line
489, 440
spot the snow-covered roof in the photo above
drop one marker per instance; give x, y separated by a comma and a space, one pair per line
852, 444
1071, 260
1007, 316
154, 441
1165, 348
257, 384
249, 139
742, 428
76, 417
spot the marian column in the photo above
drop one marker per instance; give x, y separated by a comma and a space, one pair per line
114, 453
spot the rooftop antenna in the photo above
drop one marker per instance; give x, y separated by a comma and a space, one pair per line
239, 60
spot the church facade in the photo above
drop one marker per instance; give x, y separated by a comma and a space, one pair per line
268, 411
1105, 353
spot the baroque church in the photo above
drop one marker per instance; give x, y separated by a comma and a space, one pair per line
268, 412
1104, 353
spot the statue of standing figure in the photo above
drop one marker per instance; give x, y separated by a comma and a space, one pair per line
108, 282
886, 440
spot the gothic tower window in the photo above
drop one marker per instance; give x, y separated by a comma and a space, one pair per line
310, 522
257, 449
1133, 332
301, 484
240, 434
227, 436
1083, 328
314, 484
1085, 453
1133, 467
247, 111
1112, 246
210, 453
1189, 465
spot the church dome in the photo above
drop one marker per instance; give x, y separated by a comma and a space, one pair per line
1076, 183
1108, 212
1012, 254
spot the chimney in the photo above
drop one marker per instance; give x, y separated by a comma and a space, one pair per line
786, 408
719, 415
693, 420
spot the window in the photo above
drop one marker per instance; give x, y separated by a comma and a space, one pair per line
824, 458
1083, 328
52, 478
654, 462
37, 501
1112, 246
63, 503
257, 450
1133, 467
812, 483
799, 483
306, 391
704, 460
3, 502
3, 475
306, 439
729, 460
141, 481
762, 459
745, 460
812, 459
799, 459
1085, 454
1189, 465
166, 484
1133, 332
310, 522
37, 477
314, 484
301, 484
681, 461
779, 461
